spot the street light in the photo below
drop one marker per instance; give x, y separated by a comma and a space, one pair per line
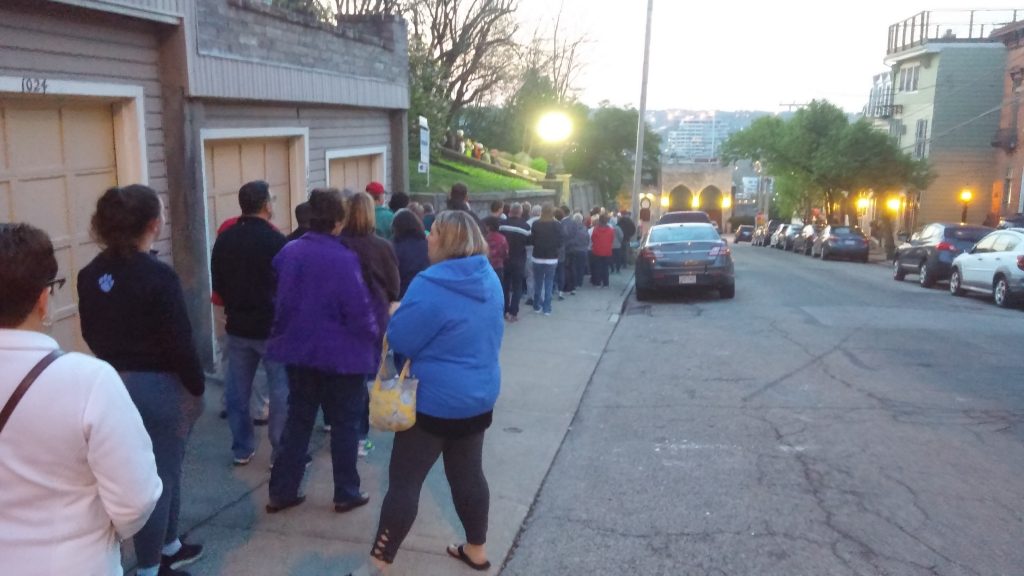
726, 202
666, 201
893, 204
965, 198
554, 128
862, 204
695, 202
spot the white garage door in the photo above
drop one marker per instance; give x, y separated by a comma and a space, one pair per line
231, 163
355, 172
56, 158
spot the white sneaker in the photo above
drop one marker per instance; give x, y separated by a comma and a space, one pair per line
365, 447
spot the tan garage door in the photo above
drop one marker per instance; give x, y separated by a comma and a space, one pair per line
231, 163
356, 172
56, 159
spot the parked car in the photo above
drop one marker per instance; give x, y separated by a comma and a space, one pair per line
763, 233
745, 233
1013, 221
688, 254
684, 216
804, 241
779, 233
841, 242
930, 252
994, 266
786, 238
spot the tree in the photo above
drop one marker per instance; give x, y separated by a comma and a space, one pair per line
472, 48
605, 147
819, 159
425, 98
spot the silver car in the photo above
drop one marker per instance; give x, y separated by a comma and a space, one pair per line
994, 266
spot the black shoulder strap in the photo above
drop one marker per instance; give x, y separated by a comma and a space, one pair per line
34, 373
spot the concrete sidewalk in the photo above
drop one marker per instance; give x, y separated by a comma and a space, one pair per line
546, 365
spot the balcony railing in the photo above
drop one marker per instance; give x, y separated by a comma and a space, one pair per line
948, 26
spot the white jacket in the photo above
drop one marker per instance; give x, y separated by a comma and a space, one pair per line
76, 464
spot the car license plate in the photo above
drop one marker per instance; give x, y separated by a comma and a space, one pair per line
688, 279
849, 242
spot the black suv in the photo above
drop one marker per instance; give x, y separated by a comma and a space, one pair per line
930, 252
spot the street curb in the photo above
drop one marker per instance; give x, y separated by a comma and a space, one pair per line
627, 291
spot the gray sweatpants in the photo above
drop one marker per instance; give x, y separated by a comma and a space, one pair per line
412, 457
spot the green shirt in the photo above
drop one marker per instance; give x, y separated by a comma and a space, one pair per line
383, 217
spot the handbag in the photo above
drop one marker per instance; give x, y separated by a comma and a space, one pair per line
23, 387
393, 399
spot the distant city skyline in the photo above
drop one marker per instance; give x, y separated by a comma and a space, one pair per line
732, 56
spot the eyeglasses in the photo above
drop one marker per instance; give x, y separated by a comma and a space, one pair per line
56, 284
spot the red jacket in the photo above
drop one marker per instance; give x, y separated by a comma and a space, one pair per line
601, 240
497, 252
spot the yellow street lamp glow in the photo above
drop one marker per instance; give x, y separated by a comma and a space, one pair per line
862, 204
695, 202
666, 201
726, 202
554, 127
893, 204
966, 196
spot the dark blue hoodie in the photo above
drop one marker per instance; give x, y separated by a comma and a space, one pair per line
450, 324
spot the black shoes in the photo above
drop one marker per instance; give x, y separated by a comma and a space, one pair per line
187, 554
273, 508
352, 504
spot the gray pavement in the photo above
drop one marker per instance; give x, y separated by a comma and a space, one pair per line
828, 421
546, 365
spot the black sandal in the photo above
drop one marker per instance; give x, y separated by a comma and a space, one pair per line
459, 554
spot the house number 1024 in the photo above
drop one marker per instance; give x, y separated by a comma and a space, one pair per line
33, 85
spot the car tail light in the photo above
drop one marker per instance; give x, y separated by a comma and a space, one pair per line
719, 250
946, 247
648, 255
1020, 261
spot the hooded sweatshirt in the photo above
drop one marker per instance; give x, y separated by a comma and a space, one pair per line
450, 324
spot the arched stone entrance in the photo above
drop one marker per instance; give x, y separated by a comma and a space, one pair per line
679, 198
711, 181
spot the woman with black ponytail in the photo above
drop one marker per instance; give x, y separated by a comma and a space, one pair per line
133, 316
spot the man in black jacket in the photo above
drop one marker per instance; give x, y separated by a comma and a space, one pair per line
517, 233
243, 276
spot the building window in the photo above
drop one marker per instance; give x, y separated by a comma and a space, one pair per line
921, 139
909, 76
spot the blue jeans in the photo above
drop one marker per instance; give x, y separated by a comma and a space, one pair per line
244, 355
543, 285
168, 412
343, 397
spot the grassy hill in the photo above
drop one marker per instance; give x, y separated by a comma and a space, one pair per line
444, 173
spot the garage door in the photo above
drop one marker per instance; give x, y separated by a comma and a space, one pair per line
231, 163
56, 159
356, 172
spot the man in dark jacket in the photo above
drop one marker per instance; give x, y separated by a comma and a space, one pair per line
244, 278
302, 215
517, 233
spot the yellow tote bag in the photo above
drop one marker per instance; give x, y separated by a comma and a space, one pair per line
393, 400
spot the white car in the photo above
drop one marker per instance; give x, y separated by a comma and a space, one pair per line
994, 266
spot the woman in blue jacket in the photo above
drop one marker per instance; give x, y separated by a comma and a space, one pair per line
450, 324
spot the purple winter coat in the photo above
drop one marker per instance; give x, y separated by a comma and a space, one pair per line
322, 313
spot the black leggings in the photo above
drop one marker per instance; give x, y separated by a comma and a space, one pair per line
412, 457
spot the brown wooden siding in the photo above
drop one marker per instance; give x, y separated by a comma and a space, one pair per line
85, 45
329, 128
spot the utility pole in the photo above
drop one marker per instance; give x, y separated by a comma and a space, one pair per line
642, 123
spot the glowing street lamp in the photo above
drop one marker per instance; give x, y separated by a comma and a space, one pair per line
893, 204
695, 202
726, 202
862, 204
666, 201
965, 198
554, 127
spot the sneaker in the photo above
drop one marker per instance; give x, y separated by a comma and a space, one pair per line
188, 554
353, 504
536, 310
365, 447
529, 301
573, 293
326, 428
560, 297
244, 460
547, 313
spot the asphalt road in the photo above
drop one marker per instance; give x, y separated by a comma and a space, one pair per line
828, 421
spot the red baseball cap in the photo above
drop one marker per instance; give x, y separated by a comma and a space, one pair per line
375, 188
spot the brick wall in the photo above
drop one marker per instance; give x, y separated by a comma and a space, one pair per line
368, 47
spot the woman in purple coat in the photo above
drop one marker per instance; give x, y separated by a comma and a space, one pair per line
325, 333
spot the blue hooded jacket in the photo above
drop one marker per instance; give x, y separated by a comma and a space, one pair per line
450, 324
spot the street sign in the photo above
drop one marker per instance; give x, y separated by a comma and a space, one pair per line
424, 166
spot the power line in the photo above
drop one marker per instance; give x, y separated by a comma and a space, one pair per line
966, 122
